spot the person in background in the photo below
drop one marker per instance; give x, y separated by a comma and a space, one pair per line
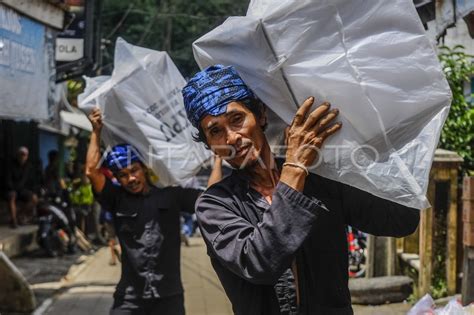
115, 254
146, 220
54, 183
82, 199
21, 188
275, 232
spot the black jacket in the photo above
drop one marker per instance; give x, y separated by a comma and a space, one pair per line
251, 243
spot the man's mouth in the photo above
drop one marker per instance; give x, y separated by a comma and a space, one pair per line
243, 150
133, 186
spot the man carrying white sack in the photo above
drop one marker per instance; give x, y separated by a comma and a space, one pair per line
146, 221
275, 233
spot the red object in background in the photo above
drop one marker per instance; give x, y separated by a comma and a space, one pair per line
108, 173
79, 3
350, 240
356, 241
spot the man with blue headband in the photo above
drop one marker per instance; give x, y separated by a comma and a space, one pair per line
275, 233
147, 224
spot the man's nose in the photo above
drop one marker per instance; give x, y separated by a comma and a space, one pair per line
232, 137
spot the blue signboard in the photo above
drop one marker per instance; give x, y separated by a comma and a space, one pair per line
24, 71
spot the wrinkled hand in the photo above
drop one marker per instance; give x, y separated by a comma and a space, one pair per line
96, 119
307, 133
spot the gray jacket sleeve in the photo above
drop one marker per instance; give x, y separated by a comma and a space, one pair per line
258, 253
378, 216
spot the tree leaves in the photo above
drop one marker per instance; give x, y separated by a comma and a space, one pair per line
458, 132
170, 25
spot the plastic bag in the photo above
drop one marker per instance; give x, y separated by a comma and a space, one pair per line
426, 306
371, 59
142, 105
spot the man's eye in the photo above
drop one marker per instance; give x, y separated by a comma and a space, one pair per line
214, 131
236, 119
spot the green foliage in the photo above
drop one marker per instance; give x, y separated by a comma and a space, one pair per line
439, 288
167, 25
458, 132
74, 88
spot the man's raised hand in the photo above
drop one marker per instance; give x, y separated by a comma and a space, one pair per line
308, 132
96, 119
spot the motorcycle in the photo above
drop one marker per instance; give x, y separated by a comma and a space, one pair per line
357, 248
55, 235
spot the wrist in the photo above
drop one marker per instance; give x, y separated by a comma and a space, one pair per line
96, 132
293, 176
297, 165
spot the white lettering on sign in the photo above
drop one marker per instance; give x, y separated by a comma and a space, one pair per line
9, 20
17, 56
69, 49
23, 57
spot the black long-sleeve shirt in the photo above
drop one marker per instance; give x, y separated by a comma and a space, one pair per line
252, 243
148, 228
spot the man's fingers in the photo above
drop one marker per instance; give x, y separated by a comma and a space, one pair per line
317, 114
302, 111
330, 130
95, 114
326, 120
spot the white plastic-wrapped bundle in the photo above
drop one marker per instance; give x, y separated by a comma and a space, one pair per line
370, 59
142, 105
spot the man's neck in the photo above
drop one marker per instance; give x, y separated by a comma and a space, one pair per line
146, 188
264, 174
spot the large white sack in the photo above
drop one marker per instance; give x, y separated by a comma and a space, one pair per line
142, 105
371, 59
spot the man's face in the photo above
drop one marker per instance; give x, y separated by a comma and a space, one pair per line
132, 178
22, 157
236, 135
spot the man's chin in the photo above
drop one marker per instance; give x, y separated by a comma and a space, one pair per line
243, 163
135, 190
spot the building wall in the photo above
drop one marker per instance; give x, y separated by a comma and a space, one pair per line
459, 35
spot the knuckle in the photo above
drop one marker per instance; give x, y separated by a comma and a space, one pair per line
298, 115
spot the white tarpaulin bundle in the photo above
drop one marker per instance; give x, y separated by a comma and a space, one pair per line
370, 59
142, 105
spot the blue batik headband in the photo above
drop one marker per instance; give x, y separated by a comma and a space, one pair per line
210, 90
121, 156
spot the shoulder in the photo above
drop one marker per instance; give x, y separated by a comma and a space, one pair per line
221, 197
322, 187
110, 191
229, 186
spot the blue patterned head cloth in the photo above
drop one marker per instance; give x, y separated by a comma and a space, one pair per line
210, 90
121, 156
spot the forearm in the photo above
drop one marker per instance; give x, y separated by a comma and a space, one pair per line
378, 216
92, 162
258, 253
93, 154
395, 220
216, 173
293, 177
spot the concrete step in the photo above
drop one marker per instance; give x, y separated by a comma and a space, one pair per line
380, 290
14, 242
16, 295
